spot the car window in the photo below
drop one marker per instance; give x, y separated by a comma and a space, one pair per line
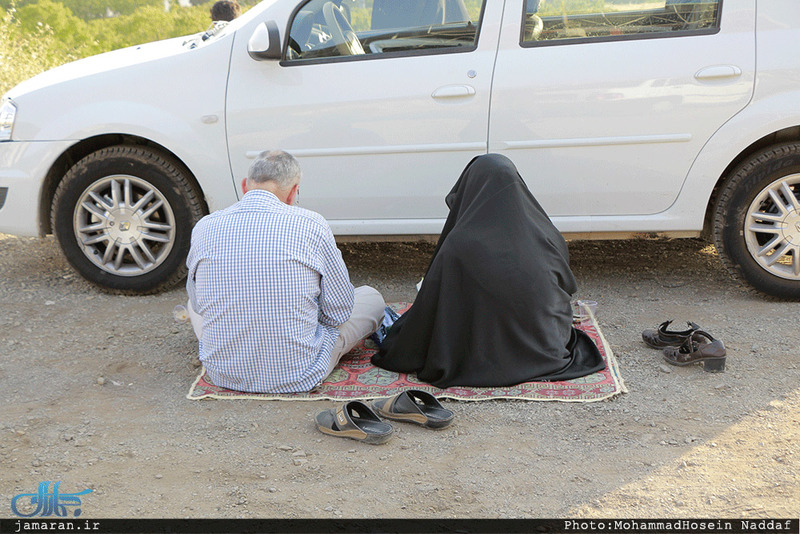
345, 28
568, 21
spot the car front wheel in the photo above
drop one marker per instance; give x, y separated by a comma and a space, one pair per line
757, 221
123, 216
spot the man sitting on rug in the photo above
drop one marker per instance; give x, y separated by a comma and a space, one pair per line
270, 298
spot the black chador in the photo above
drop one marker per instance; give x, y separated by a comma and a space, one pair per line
494, 306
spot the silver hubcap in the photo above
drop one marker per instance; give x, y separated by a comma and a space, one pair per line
772, 228
124, 225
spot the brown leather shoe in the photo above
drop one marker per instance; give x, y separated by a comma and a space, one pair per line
660, 337
699, 347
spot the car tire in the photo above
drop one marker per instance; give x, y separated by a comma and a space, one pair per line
123, 217
757, 221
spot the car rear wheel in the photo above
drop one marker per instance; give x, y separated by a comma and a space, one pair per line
123, 217
757, 221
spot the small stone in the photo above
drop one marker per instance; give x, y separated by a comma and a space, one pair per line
273, 490
664, 369
159, 475
101, 380
299, 461
284, 448
299, 454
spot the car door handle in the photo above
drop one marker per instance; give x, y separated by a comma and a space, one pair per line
716, 72
454, 91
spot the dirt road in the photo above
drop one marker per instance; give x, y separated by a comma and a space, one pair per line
94, 392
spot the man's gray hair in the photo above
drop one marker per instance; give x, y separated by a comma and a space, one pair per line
276, 166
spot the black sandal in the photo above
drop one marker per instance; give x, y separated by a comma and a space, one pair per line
354, 420
660, 337
415, 406
699, 347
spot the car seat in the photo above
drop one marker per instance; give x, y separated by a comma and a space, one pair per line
389, 14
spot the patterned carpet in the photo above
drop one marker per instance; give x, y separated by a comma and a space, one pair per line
355, 378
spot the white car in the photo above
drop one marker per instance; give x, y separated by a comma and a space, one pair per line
674, 117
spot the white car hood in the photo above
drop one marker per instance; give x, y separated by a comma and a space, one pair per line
117, 59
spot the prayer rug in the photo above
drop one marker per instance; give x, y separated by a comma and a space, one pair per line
355, 378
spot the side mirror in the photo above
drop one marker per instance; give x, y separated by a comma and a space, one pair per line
265, 43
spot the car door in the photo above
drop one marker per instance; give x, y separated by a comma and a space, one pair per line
384, 106
604, 112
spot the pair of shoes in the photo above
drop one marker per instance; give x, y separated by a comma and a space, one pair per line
659, 338
356, 420
692, 345
700, 346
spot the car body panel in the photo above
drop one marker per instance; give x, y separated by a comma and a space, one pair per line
379, 152
22, 164
616, 123
369, 151
137, 97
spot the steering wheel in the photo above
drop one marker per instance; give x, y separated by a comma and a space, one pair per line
342, 34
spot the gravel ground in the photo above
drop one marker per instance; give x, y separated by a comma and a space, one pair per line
94, 392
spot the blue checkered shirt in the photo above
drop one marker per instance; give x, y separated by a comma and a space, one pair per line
272, 287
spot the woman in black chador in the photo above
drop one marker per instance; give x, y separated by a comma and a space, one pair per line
494, 307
